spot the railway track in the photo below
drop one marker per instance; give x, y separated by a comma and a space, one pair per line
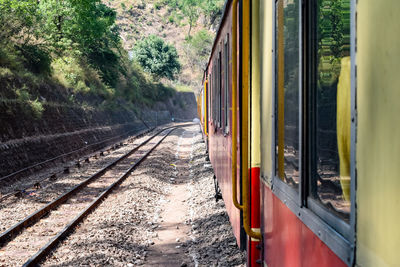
6, 191
7, 178
41, 231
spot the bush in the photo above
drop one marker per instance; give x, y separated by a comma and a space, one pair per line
37, 109
6, 73
157, 57
157, 6
23, 95
37, 59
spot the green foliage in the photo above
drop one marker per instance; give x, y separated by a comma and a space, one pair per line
72, 49
37, 108
89, 28
192, 9
157, 5
183, 88
23, 94
18, 19
78, 75
36, 59
87, 23
212, 9
198, 48
6, 73
157, 57
333, 38
9, 57
32, 108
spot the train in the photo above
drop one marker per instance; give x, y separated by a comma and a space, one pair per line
299, 111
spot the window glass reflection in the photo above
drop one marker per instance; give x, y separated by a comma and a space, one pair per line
331, 171
287, 64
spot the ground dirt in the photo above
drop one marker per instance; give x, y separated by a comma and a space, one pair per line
164, 214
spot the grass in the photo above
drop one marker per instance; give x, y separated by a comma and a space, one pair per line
182, 88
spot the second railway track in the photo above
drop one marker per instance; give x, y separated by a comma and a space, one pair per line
39, 232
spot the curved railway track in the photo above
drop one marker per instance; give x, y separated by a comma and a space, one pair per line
5, 181
15, 174
27, 237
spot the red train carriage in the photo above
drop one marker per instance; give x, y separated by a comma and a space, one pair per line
279, 114
221, 125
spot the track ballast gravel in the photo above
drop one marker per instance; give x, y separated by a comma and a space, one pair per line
123, 229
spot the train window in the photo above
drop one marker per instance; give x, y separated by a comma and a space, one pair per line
209, 95
214, 94
287, 78
210, 92
219, 90
226, 84
330, 104
313, 107
216, 115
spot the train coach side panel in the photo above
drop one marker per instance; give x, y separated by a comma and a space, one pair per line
220, 156
378, 133
220, 143
288, 242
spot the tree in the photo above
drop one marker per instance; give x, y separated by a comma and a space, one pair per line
212, 9
157, 57
88, 28
191, 10
18, 19
87, 23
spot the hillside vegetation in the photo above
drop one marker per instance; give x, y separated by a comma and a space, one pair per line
189, 25
81, 52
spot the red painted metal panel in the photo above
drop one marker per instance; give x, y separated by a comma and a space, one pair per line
254, 253
220, 144
220, 151
288, 241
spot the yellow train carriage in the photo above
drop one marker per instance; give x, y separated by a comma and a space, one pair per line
364, 148
317, 120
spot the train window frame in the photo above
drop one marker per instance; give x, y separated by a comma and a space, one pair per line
338, 235
292, 191
210, 91
214, 94
219, 70
226, 84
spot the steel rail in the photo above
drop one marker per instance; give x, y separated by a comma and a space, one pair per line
44, 251
4, 197
8, 176
7, 235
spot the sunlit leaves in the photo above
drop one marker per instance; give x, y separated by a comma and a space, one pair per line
157, 57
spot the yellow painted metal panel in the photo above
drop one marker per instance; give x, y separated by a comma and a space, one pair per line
255, 85
378, 136
266, 58
244, 141
281, 92
234, 103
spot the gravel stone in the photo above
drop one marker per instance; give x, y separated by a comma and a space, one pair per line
121, 230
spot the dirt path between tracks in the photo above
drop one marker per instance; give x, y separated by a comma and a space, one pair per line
173, 232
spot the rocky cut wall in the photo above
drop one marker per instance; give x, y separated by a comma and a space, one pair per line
62, 129
26, 140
